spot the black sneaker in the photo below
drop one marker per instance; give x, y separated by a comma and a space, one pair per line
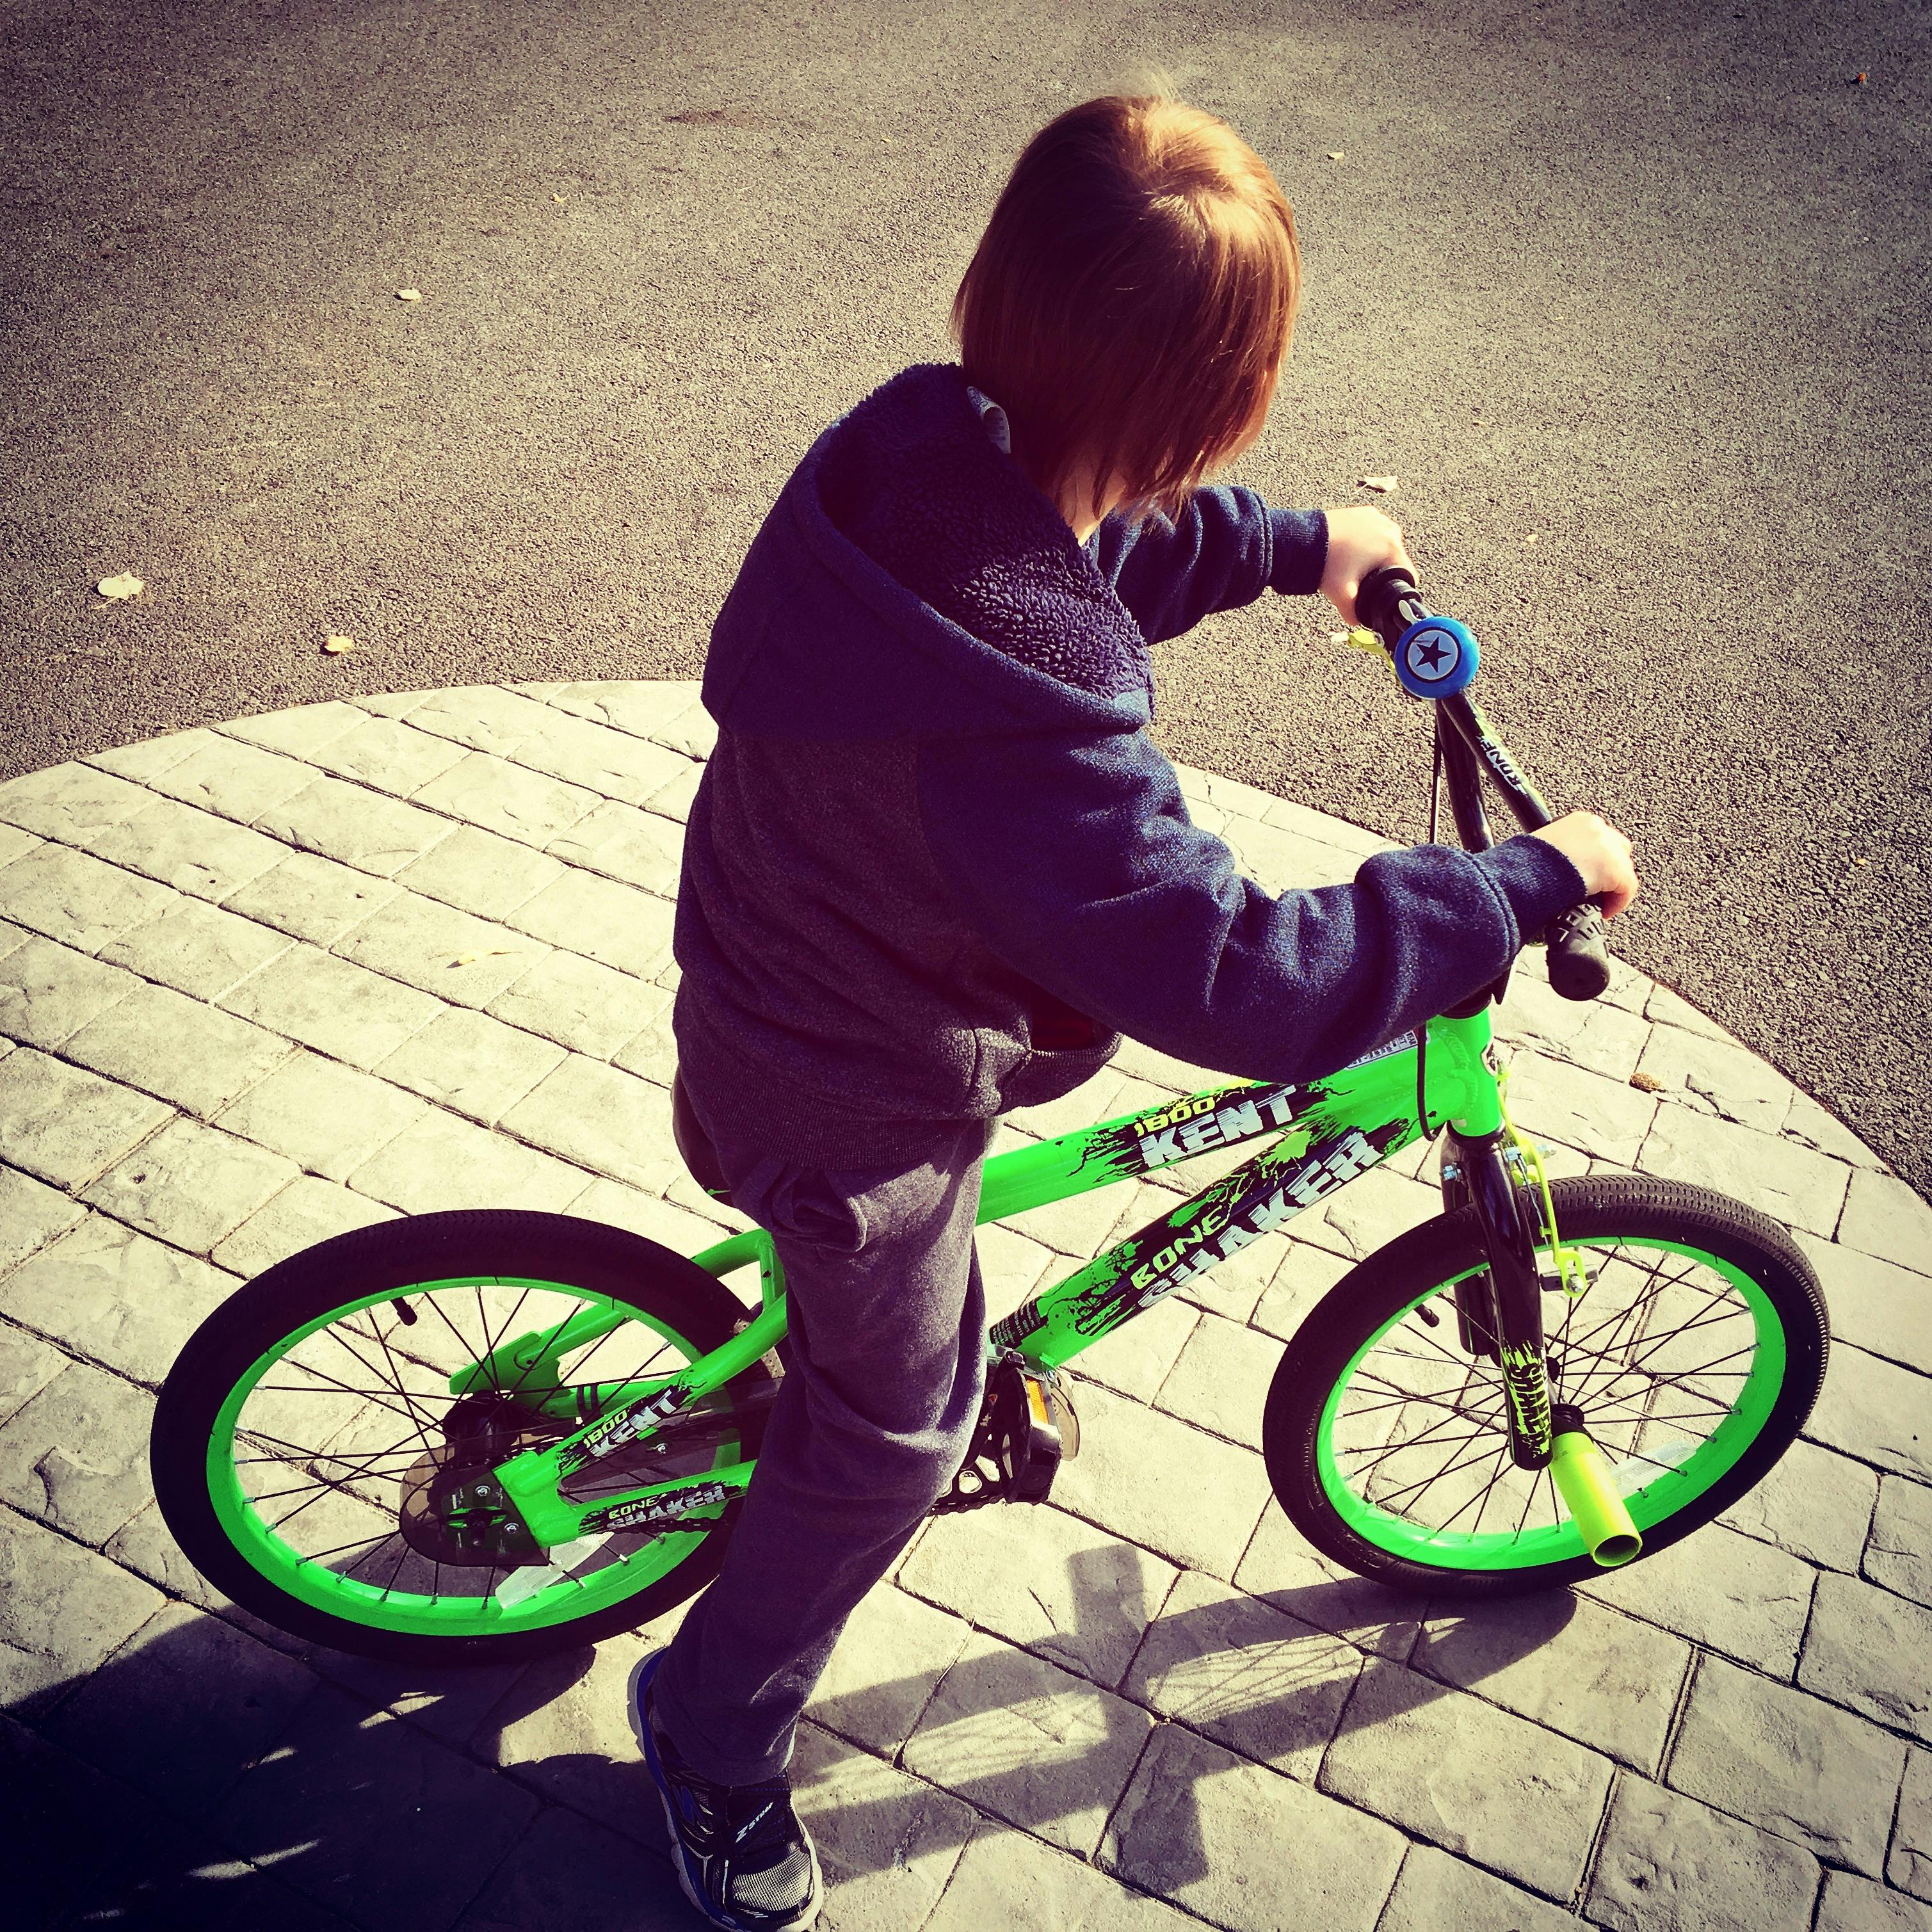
742, 1856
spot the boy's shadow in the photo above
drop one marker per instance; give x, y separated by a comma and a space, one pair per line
201, 1778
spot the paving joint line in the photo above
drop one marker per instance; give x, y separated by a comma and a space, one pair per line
376, 791
1593, 1853
297, 939
592, 1176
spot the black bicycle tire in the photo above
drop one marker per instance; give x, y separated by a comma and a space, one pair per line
510, 1241
1601, 1205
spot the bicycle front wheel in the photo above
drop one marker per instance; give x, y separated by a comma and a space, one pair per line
1695, 1355
321, 1446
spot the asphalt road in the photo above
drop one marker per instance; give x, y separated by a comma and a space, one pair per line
1631, 298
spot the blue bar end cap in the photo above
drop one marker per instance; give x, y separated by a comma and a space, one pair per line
1435, 657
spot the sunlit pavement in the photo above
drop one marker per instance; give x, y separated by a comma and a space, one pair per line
262, 983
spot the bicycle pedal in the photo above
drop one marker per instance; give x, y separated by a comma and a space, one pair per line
1027, 1428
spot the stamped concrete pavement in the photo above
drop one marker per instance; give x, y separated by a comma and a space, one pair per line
263, 982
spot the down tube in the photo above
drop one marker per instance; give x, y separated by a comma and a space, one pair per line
1332, 1129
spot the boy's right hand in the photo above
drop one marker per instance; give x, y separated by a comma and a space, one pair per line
1599, 852
1361, 539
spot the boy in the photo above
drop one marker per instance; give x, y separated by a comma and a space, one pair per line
936, 869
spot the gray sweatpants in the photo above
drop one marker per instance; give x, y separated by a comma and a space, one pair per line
885, 1369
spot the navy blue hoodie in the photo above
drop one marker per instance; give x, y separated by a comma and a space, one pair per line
936, 867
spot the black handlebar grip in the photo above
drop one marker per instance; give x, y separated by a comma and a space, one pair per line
1376, 598
1579, 967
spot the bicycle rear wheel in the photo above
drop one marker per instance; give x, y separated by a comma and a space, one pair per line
312, 1459
1695, 1355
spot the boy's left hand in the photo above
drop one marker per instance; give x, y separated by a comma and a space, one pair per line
1360, 538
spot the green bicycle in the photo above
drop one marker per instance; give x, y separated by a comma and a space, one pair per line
480, 1436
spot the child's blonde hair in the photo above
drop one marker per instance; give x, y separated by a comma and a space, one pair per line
1133, 297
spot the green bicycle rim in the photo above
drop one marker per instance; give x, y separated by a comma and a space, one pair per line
305, 1579
1658, 1500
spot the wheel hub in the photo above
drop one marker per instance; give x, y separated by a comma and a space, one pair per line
454, 1511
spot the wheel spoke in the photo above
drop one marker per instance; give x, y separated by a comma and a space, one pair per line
1673, 1381
422, 1428
1731, 1355
569, 1314
489, 1346
402, 1557
343, 1388
1402, 1397
322, 1489
1429, 1482
1631, 1317
342, 1484
1485, 1424
334, 1388
1528, 1503
1407, 1402
1638, 1456
510, 1320
462, 1341
318, 1556
1482, 1502
1717, 1408
1383, 1451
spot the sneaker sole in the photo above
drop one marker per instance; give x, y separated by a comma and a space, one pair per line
641, 1732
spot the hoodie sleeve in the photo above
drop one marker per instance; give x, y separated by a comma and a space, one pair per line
1075, 860
1228, 546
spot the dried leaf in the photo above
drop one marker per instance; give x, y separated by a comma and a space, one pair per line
334, 646
1646, 1083
1385, 484
408, 294
123, 586
557, 197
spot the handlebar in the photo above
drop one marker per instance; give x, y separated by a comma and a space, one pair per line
1578, 964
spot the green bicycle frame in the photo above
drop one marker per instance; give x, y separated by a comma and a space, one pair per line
1321, 1135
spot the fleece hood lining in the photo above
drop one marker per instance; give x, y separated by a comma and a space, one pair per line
912, 481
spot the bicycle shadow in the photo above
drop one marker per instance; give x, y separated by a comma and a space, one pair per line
203, 1778
1271, 1678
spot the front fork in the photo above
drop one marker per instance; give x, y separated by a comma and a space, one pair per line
1499, 1309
